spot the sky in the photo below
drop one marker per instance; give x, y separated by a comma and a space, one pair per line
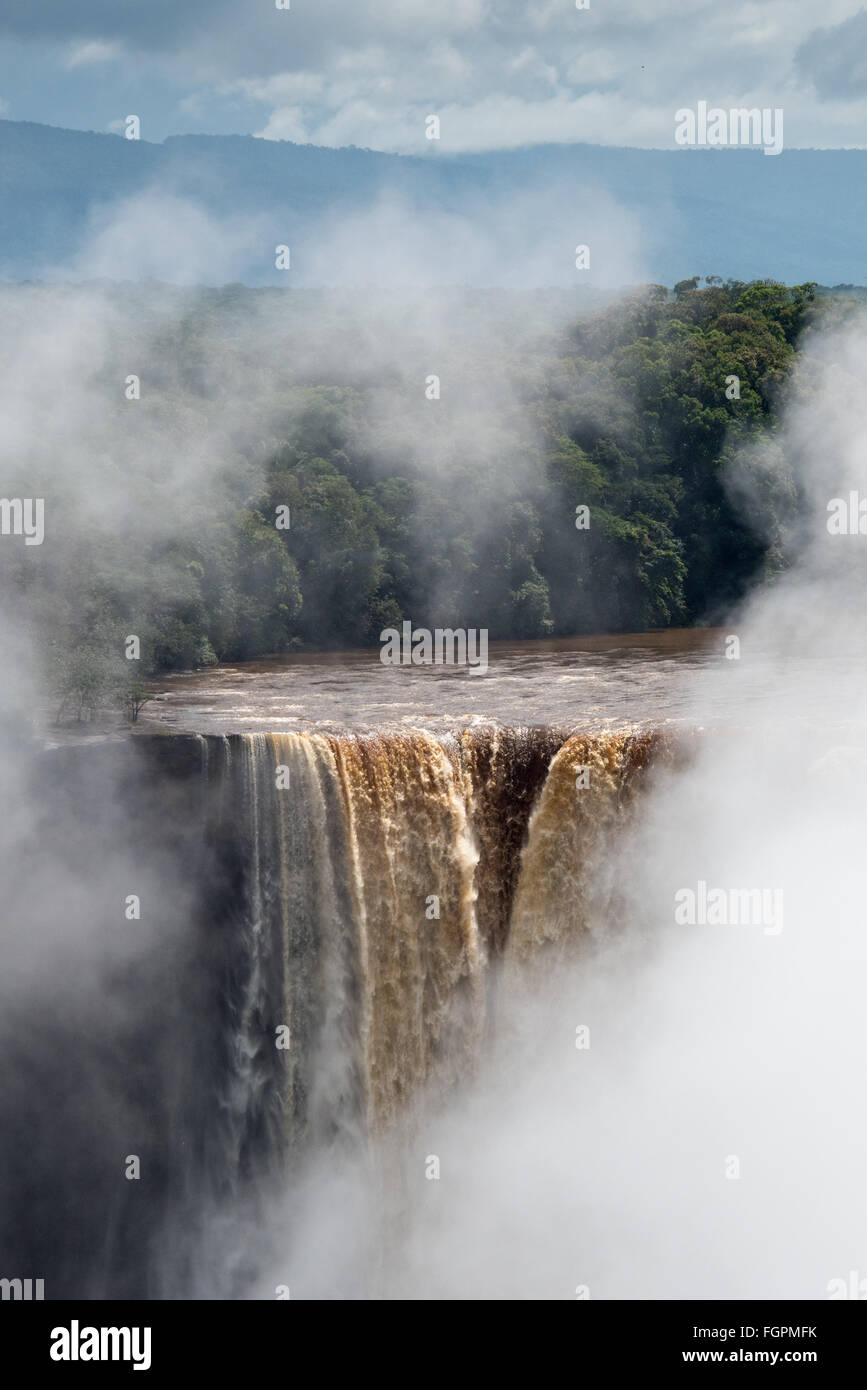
498, 73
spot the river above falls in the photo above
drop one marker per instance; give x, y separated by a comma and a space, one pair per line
677, 677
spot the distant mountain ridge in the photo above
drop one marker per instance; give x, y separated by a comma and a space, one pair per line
510, 217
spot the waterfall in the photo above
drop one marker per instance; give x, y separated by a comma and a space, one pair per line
383, 890
332, 931
566, 892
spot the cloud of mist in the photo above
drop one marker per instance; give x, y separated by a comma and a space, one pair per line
157, 235
715, 1049
512, 241
220, 378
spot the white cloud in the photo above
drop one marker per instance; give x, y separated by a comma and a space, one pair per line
85, 54
285, 87
499, 77
507, 73
162, 237
287, 123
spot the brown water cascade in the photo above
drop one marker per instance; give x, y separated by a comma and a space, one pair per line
391, 881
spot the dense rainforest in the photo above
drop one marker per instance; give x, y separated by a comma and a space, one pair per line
229, 473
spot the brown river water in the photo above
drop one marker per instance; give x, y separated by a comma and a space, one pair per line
677, 677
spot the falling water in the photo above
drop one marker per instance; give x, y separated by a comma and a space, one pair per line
384, 884
293, 973
566, 892
328, 947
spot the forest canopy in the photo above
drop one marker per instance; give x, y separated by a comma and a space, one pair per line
301, 471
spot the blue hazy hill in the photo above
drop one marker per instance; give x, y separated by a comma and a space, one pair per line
507, 217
